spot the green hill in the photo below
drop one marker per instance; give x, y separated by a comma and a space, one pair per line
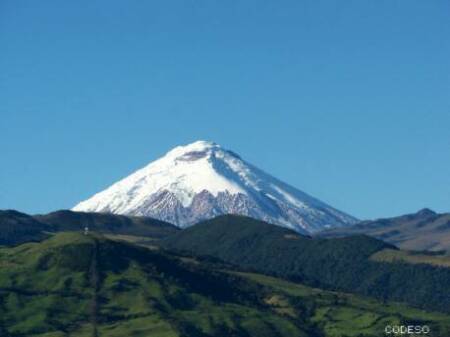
76, 285
83, 286
342, 264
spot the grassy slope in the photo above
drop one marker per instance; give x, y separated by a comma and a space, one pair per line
340, 314
74, 285
84, 286
392, 255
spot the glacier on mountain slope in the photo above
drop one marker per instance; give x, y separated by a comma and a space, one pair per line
202, 180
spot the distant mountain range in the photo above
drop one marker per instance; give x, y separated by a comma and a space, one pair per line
424, 230
202, 180
421, 231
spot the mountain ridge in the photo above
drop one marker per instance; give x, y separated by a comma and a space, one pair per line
423, 230
17, 228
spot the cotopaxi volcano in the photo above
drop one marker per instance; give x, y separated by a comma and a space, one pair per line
203, 180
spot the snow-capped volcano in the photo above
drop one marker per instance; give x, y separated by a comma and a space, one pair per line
202, 180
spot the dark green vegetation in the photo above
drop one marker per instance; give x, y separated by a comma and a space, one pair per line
17, 228
107, 223
77, 285
424, 230
342, 264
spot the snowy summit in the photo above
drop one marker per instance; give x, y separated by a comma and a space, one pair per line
202, 180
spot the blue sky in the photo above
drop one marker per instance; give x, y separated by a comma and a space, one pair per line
346, 100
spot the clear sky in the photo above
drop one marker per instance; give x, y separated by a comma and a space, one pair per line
347, 100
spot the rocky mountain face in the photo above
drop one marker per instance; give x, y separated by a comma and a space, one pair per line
202, 180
